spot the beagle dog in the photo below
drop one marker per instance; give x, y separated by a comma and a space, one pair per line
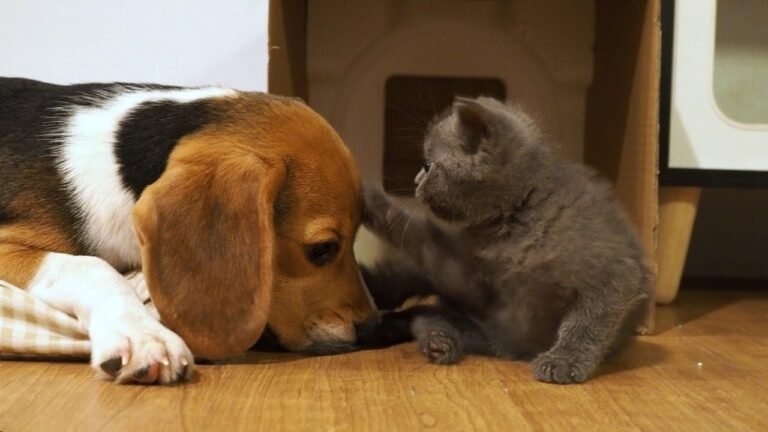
240, 209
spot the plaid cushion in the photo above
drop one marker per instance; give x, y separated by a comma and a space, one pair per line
30, 327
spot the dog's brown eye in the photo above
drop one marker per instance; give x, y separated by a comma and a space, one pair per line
321, 254
427, 165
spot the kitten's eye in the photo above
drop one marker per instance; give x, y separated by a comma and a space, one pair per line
322, 253
427, 165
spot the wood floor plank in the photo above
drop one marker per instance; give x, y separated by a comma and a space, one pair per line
706, 369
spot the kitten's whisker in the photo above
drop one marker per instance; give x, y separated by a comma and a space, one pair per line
432, 102
414, 134
405, 113
402, 237
411, 128
399, 218
411, 204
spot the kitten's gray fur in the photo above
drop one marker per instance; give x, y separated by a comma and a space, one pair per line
543, 264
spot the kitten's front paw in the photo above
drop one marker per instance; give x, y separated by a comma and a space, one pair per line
440, 347
377, 209
561, 368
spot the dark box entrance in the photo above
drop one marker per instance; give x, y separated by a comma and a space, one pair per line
410, 103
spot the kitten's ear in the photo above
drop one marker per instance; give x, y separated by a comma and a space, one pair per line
473, 123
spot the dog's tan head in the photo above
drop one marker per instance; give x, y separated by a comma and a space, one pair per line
252, 224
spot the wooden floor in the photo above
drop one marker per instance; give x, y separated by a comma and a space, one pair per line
707, 369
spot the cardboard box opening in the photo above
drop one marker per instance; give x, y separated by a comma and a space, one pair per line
620, 113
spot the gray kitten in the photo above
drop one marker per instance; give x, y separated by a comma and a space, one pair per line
539, 262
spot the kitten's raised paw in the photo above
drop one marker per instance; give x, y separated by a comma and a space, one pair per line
440, 348
561, 369
376, 206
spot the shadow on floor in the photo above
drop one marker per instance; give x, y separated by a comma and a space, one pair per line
694, 303
637, 355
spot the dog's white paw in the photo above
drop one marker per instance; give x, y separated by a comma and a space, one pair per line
132, 346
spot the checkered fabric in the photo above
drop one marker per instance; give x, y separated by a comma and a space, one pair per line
31, 328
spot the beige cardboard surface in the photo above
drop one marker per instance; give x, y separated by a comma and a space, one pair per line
621, 130
622, 111
288, 48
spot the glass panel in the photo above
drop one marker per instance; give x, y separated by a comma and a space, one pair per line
741, 60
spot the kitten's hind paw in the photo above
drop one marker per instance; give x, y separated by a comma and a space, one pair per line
561, 368
440, 348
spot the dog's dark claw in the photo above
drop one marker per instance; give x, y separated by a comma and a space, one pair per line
182, 374
112, 366
141, 373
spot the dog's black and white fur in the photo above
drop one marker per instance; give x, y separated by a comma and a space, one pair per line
100, 179
55, 136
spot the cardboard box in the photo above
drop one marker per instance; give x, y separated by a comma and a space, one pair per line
620, 115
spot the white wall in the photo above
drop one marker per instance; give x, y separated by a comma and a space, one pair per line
182, 42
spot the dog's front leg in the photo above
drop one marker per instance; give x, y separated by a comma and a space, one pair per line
128, 344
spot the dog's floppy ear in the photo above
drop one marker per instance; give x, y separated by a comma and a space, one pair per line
207, 236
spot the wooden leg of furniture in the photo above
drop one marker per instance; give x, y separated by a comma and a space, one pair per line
677, 212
